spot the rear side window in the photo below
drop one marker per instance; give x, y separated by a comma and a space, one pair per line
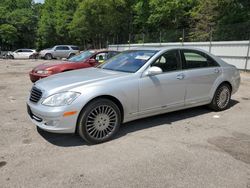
101, 56
195, 59
75, 48
27, 50
111, 54
62, 48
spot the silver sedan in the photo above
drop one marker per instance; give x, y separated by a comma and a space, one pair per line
134, 84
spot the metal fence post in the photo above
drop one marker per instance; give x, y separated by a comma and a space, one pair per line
160, 38
117, 42
143, 39
210, 40
247, 57
183, 36
129, 37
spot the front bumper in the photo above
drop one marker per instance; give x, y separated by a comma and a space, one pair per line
51, 119
34, 76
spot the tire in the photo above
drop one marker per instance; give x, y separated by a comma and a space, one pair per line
11, 57
48, 56
99, 121
222, 97
71, 55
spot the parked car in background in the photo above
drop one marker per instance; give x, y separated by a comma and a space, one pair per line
59, 51
86, 59
22, 54
132, 85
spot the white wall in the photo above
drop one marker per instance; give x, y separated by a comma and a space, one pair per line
233, 52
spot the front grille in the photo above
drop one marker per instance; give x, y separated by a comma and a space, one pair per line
35, 95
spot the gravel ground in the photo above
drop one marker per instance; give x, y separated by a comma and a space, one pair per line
189, 148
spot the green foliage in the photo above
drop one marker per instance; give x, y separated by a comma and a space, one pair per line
94, 23
18, 23
8, 34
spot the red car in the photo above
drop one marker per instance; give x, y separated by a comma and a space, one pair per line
84, 60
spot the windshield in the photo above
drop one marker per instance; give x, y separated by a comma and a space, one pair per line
81, 57
128, 61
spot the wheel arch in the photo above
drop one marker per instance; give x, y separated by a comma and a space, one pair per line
71, 54
109, 97
49, 53
218, 83
225, 82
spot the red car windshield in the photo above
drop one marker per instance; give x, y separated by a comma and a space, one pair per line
81, 57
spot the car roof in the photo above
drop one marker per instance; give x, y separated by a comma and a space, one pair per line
100, 50
66, 45
165, 48
24, 49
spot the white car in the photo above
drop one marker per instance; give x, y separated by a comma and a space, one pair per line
22, 54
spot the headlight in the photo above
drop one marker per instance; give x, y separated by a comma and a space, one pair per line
43, 72
61, 99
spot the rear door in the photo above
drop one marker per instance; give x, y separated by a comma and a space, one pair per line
27, 53
61, 52
201, 71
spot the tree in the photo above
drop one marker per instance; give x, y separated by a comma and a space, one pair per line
18, 17
8, 35
204, 18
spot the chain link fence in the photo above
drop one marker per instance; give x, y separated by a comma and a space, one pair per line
232, 32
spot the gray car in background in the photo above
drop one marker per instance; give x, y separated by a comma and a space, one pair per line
132, 85
59, 51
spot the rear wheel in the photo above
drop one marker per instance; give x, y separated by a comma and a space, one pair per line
48, 57
221, 98
71, 55
99, 121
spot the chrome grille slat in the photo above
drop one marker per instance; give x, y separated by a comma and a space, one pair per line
35, 94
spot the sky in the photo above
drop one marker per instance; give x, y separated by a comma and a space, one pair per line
39, 1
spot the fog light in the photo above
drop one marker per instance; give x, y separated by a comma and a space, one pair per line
52, 123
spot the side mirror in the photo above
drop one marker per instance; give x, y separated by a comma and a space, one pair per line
153, 71
92, 61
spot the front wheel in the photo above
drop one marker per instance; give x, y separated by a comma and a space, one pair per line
221, 98
99, 121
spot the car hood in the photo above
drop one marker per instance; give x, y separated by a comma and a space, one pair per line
49, 65
69, 80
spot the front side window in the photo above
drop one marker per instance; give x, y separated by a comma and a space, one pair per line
195, 59
81, 57
169, 61
128, 61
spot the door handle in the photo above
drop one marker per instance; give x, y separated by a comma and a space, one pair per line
216, 70
180, 76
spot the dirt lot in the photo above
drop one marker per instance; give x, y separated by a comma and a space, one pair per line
189, 148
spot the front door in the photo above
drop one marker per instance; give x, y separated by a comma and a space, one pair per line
166, 90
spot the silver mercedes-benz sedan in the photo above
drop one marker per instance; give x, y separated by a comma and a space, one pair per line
134, 84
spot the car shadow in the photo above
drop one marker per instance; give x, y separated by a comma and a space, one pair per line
72, 140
